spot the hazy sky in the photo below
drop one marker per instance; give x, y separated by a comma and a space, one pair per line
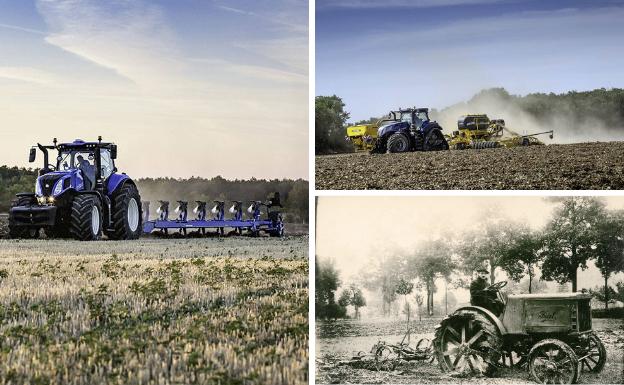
384, 54
353, 230
185, 87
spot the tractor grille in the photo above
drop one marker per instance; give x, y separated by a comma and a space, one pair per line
584, 316
47, 183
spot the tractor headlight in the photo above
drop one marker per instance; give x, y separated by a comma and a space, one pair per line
58, 188
50, 200
38, 188
42, 200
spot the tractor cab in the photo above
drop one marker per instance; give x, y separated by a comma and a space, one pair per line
414, 116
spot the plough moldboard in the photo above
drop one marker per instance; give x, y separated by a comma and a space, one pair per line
236, 221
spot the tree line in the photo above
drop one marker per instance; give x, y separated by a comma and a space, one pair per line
293, 193
580, 230
580, 110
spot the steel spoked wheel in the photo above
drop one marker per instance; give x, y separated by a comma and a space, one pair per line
468, 342
553, 362
594, 358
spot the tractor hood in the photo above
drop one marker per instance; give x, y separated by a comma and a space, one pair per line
392, 128
56, 183
551, 296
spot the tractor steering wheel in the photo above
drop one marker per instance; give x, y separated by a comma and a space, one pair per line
497, 285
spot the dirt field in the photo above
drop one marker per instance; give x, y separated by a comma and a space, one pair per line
154, 311
338, 341
583, 166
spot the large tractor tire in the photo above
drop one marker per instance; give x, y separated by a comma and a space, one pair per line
21, 231
127, 213
593, 358
398, 143
435, 141
552, 361
468, 342
86, 218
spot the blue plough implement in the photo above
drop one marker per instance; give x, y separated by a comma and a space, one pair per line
253, 225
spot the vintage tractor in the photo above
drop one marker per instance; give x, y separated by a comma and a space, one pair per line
479, 132
549, 334
80, 196
409, 130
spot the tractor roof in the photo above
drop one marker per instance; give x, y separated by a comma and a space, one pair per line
462, 117
551, 296
79, 143
412, 109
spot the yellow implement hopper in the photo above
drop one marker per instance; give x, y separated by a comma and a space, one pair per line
362, 136
478, 132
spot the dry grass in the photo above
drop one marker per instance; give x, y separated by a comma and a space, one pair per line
207, 311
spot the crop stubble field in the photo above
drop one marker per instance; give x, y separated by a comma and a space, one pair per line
581, 166
154, 311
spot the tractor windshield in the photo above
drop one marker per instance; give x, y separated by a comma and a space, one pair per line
68, 160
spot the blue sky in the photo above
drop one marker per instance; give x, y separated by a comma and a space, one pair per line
384, 54
185, 87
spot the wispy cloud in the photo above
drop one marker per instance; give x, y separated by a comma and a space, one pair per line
27, 74
22, 29
130, 37
398, 3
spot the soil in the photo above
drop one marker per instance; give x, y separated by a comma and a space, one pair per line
337, 342
580, 166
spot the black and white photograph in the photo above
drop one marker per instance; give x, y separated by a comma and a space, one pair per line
469, 289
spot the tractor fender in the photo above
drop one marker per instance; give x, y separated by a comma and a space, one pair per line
488, 314
115, 181
428, 126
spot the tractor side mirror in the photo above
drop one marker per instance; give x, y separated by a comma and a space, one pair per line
551, 136
32, 155
113, 152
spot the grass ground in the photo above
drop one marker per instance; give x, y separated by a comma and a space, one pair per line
154, 311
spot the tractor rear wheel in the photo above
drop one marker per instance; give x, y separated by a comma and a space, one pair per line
552, 361
21, 231
435, 141
86, 218
468, 341
126, 213
398, 143
593, 359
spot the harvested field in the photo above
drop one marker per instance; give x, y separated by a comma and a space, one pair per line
154, 311
582, 166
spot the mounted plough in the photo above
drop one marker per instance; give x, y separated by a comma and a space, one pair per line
237, 223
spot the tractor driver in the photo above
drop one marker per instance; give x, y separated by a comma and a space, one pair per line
481, 296
88, 171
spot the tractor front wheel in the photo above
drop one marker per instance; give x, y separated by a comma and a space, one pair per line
126, 213
552, 361
398, 143
594, 357
86, 218
468, 342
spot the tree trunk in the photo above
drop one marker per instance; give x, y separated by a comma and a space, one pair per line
430, 297
530, 281
574, 281
606, 291
492, 275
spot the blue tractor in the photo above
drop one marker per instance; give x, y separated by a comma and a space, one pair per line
81, 196
409, 130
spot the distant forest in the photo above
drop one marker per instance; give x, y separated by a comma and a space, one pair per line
576, 111
294, 193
